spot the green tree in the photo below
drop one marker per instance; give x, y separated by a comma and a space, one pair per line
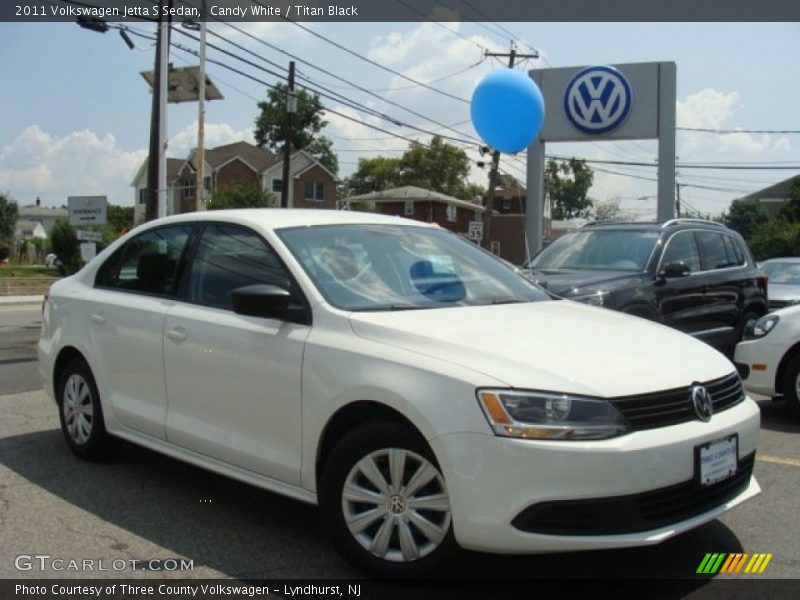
609, 210
569, 184
241, 195
120, 218
791, 209
373, 175
65, 245
745, 216
8, 222
440, 167
774, 238
307, 123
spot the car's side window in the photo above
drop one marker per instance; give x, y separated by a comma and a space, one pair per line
714, 251
229, 257
734, 249
682, 248
148, 263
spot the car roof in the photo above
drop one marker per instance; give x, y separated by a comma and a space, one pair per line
278, 218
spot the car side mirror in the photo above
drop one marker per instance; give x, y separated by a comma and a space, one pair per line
263, 300
672, 270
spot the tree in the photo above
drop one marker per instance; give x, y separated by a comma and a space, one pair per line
8, 223
373, 175
241, 195
745, 216
568, 184
440, 167
607, 211
120, 218
65, 245
307, 122
774, 238
791, 209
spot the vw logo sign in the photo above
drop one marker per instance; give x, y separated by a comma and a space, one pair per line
703, 405
598, 100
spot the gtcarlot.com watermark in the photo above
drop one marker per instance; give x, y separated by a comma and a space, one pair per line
46, 562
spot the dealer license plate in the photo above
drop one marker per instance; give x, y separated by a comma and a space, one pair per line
717, 460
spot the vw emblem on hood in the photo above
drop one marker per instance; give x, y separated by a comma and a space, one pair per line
598, 100
703, 405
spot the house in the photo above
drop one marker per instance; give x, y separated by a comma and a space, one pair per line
47, 217
422, 205
311, 184
29, 230
774, 196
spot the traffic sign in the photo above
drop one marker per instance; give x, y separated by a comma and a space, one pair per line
87, 210
88, 251
89, 236
475, 231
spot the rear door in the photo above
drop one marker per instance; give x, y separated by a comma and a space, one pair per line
133, 291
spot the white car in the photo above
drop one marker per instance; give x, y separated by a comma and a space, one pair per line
415, 388
769, 357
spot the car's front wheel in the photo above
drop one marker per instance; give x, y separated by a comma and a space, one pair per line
81, 415
384, 499
791, 385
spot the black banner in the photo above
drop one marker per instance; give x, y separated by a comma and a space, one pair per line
403, 10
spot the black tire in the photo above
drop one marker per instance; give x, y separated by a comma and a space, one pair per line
80, 412
378, 440
791, 381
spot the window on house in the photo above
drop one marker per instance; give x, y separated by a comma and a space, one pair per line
277, 185
315, 191
409, 208
142, 195
188, 188
207, 183
452, 212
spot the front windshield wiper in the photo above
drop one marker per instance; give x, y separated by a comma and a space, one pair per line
505, 301
387, 307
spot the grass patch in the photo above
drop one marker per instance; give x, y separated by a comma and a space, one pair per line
8, 271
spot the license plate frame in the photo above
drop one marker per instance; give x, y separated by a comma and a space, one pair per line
716, 460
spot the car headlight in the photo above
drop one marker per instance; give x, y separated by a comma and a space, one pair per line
550, 416
597, 298
761, 327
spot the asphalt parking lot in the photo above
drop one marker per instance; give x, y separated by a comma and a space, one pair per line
141, 506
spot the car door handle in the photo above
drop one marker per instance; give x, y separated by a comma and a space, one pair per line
98, 319
177, 335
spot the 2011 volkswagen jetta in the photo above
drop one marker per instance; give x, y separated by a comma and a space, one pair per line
422, 393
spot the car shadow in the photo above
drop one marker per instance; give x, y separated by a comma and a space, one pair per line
244, 532
776, 416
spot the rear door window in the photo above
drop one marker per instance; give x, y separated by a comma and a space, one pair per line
714, 251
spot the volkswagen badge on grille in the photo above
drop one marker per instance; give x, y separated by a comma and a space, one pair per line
703, 405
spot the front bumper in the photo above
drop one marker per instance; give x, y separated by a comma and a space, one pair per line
492, 480
758, 352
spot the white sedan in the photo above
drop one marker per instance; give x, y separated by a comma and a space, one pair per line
769, 356
419, 391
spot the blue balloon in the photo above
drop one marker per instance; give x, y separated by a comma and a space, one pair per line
507, 110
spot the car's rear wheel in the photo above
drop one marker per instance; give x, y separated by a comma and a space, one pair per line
791, 385
80, 412
384, 499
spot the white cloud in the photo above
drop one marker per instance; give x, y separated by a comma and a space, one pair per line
36, 163
216, 134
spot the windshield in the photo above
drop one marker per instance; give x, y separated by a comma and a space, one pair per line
598, 250
389, 267
784, 272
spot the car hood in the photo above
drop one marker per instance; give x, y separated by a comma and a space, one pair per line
783, 292
570, 283
553, 345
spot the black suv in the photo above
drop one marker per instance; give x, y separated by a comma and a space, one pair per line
694, 275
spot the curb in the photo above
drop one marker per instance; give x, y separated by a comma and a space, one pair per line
16, 300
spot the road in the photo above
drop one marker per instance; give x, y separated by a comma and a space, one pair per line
141, 505
19, 330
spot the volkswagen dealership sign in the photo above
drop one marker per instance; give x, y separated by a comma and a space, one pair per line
598, 100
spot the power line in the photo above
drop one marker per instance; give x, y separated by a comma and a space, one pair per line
731, 131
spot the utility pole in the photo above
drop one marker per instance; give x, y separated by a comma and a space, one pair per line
487, 217
200, 157
291, 107
156, 171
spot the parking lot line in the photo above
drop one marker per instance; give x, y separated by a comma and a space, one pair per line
793, 462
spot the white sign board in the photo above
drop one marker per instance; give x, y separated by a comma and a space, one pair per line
88, 251
475, 231
87, 210
90, 236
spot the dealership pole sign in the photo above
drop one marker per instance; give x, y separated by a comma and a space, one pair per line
605, 103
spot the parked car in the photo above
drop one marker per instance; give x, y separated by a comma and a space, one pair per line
784, 281
422, 393
769, 357
694, 275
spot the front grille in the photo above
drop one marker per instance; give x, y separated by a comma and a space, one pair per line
671, 407
635, 513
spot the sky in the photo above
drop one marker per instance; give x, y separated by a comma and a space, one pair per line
76, 111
